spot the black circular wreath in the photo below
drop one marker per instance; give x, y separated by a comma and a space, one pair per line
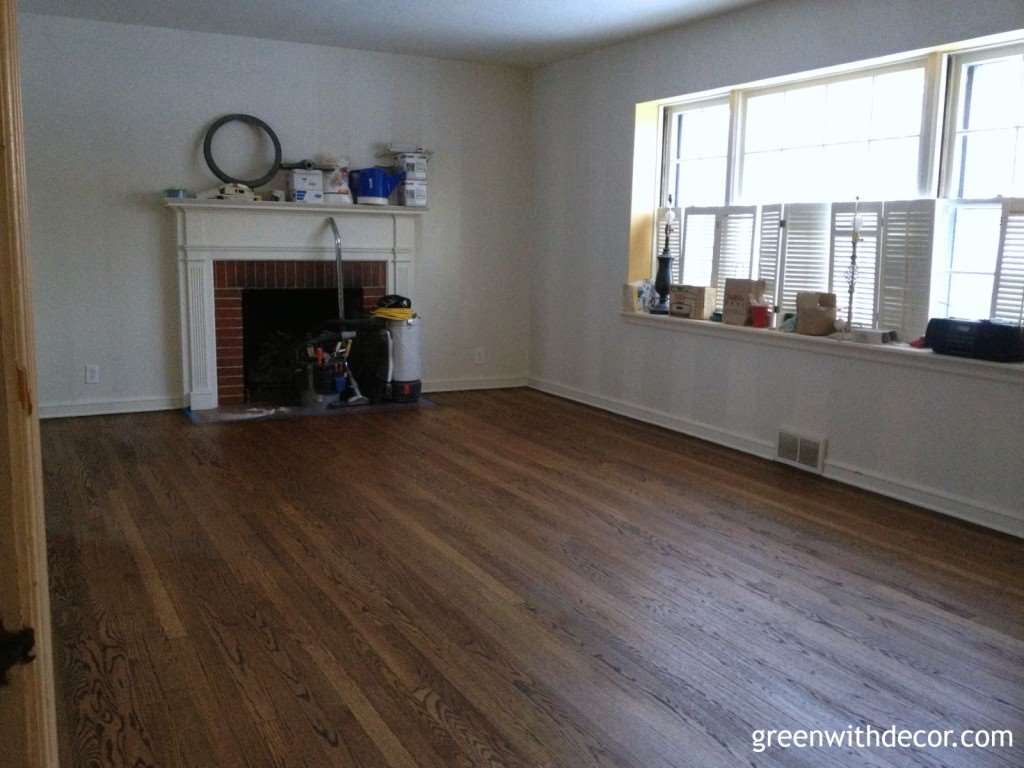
250, 120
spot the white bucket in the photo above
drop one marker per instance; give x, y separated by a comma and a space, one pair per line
407, 362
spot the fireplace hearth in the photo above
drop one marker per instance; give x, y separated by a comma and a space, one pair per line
263, 306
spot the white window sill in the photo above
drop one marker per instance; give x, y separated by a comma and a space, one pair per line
894, 354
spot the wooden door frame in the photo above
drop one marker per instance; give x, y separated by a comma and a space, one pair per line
21, 488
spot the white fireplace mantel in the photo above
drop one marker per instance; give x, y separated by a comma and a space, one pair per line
212, 230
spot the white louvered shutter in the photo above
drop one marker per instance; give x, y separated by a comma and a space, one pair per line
804, 262
675, 238
1008, 292
734, 246
865, 297
768, 248
698, 246
908, 239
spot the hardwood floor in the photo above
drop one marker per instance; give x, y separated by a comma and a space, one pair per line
507, 579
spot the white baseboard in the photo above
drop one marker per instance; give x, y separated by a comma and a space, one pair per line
143, 404
104, 407
929, 498
699, 429
935, 499
454, 385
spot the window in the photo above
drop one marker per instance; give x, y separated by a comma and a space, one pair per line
697, 150
858, 136
984, 167
771, 180
988, 129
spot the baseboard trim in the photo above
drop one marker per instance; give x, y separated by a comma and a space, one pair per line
144, 404
454, 385
929, 498
107, 407
713, 434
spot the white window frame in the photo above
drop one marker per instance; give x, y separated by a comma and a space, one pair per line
931, 115
669, 112
954, 96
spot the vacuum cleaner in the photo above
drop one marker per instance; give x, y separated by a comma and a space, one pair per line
367, 360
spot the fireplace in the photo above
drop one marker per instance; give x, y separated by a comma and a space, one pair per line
262, 303
225, 248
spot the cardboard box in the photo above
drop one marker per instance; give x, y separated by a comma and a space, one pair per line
306, 186
815, 313
696, 302
740, 296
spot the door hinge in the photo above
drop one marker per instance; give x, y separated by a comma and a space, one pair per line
15, 648
24, 391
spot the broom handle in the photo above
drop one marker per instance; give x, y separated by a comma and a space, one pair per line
337, 259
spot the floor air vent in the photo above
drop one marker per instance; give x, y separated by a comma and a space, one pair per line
804, 452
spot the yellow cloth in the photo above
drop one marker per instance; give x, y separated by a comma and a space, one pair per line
393, 313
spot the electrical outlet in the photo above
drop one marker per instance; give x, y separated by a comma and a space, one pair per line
479, 356
92, 374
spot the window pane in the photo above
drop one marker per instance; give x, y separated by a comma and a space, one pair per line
804, 118
970, 296
976, 239
701, 182
843, 170
897, 104
698, 249
764, 122
986, 160
762, 176
1018, 177
994, 94
705, 132
849, 117
802, 173
891, 171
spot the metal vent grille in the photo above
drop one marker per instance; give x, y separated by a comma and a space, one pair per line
789, 447
803, 452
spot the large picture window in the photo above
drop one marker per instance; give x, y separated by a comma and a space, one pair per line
809, 156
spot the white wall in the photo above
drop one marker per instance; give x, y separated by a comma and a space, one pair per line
947, 442
116, 113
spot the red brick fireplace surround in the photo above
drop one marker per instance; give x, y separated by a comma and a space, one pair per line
230, 278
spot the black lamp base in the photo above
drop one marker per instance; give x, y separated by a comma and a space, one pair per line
662, 285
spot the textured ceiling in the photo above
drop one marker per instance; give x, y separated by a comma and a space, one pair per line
518, 32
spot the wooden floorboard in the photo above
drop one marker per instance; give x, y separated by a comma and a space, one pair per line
508, 579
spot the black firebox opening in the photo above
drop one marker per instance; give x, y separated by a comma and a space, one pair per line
275, 323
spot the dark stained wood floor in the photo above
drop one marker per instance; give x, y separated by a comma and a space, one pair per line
508, 579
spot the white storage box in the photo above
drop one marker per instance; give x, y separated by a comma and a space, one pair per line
413, 164
306, 186
412, 193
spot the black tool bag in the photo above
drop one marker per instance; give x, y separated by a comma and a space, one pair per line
369, 361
